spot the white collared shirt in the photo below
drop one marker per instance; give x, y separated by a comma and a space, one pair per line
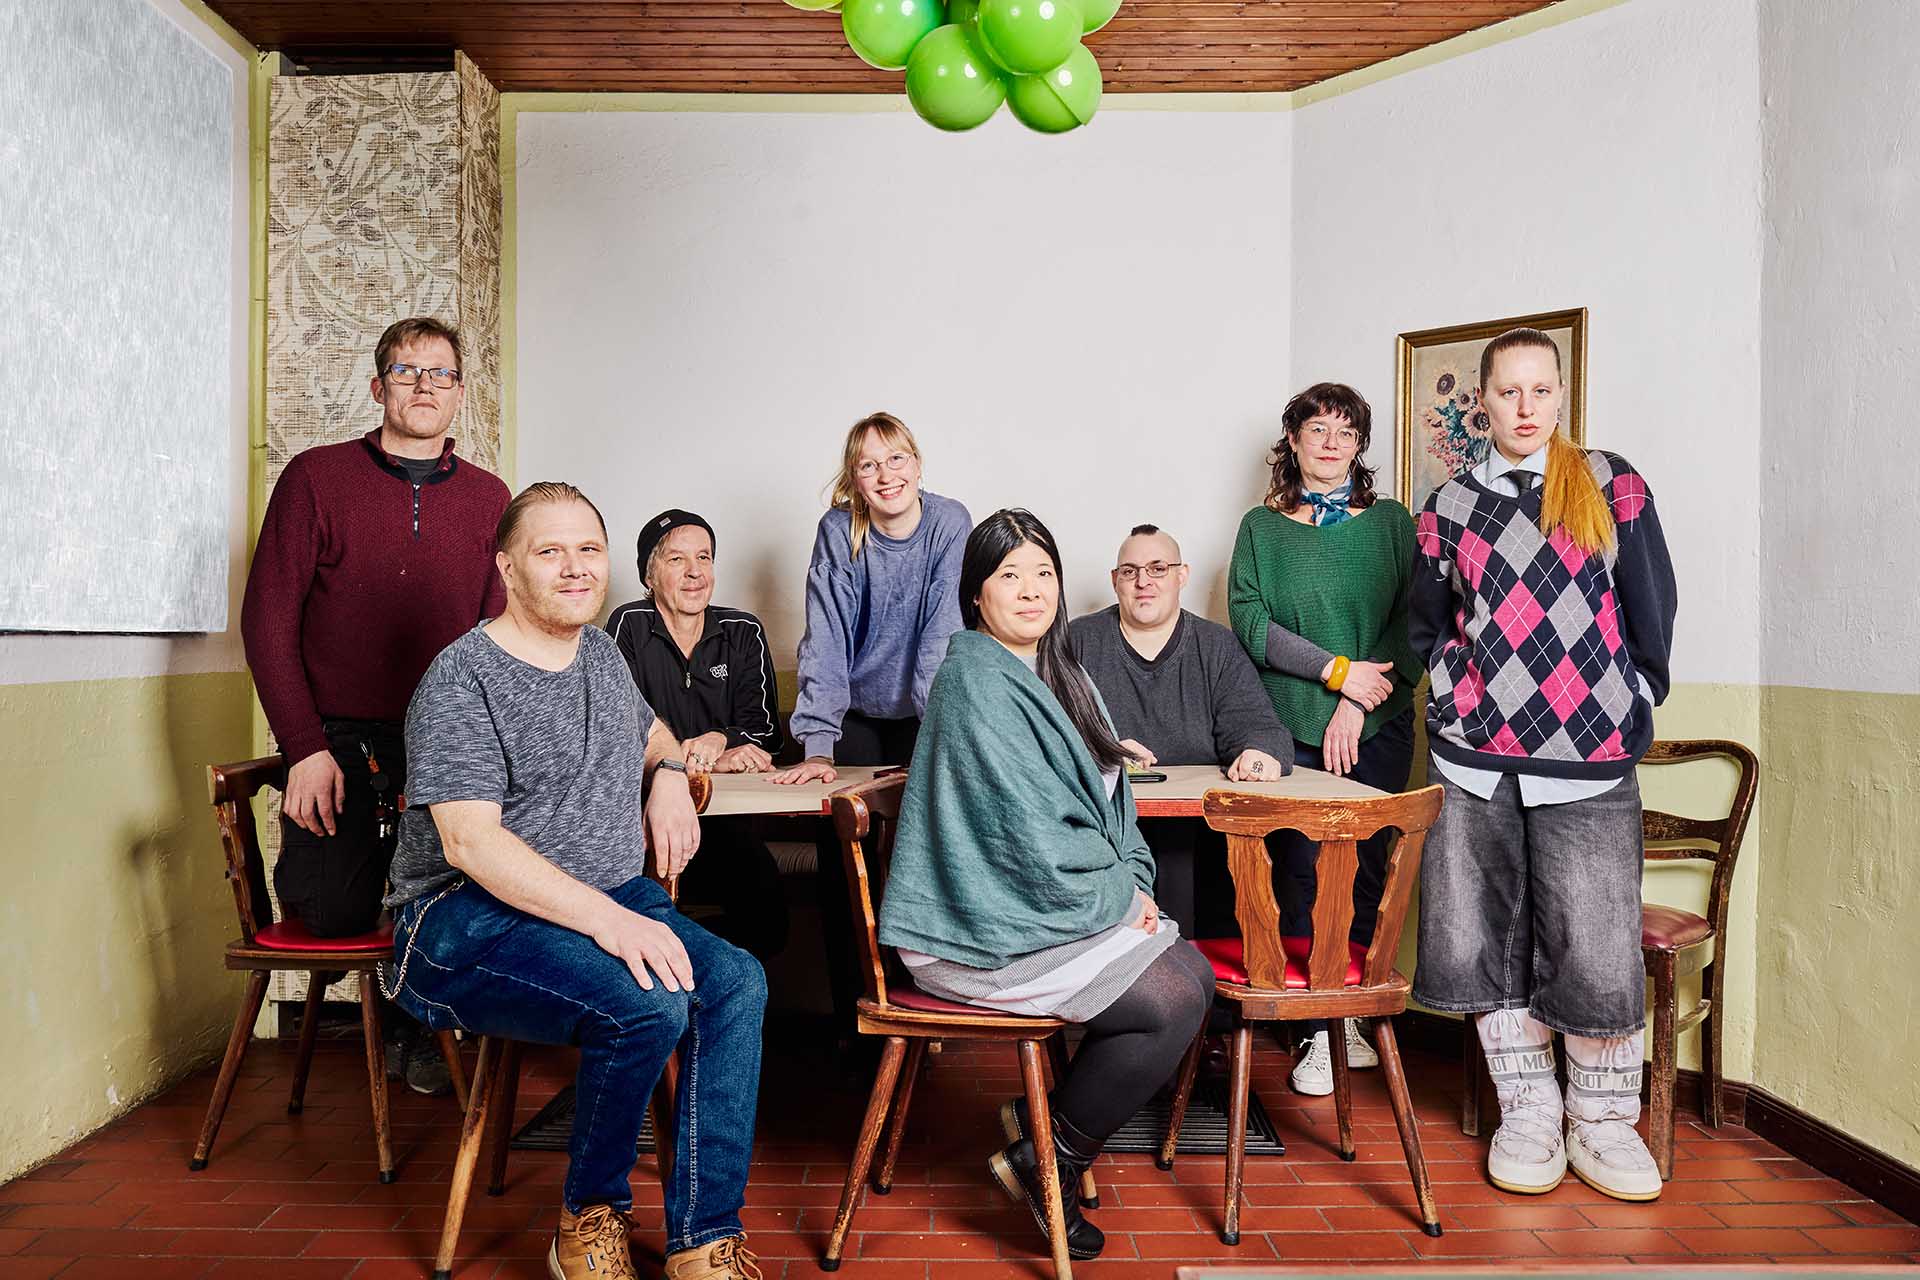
1498, 475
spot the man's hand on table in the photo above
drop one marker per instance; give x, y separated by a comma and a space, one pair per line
745, 758
1254, 765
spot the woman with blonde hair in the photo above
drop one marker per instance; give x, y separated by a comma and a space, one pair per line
882, 601
1543, 606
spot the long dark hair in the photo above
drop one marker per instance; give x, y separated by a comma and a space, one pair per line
992, 541
1328, 399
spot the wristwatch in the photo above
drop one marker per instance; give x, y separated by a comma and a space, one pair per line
675, 766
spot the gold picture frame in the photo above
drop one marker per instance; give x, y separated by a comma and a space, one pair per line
1437, 398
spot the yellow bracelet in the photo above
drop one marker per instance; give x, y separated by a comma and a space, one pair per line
1339, 677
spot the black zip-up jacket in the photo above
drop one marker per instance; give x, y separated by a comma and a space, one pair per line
727, 685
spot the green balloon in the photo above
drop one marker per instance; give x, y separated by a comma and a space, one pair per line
1029, 37
883, 32
1094, 14
1062, 99
951, 83
813, 5
962, 12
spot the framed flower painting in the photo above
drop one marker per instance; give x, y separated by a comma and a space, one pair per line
1443, 430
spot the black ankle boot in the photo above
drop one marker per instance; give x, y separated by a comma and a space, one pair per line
1017, 1170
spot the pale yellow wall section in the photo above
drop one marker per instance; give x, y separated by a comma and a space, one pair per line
112, 944
1838, 1018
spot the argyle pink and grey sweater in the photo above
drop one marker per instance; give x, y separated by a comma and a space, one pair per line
1537, 649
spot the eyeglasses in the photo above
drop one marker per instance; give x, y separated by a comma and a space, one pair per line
896, 462
1316, 434
408, 374
1157, 570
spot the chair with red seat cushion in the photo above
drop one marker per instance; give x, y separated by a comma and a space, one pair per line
1267, 977
1674, 943
910, 1019
266, 944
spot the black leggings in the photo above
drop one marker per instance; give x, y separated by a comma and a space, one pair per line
1135, 1044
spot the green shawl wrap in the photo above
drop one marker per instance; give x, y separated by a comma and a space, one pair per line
1008, 843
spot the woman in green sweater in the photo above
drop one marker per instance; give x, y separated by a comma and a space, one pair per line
1317, 593
1019, 879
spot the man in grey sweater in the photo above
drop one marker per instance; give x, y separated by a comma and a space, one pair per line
1180, 690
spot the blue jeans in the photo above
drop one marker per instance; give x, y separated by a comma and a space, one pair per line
476, 964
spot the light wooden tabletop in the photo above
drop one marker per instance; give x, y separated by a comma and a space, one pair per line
1178, 797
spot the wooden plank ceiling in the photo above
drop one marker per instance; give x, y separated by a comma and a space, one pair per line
765, 46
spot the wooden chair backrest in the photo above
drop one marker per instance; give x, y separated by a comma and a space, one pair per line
1337, 826
231, 788
866, 818
1714, 840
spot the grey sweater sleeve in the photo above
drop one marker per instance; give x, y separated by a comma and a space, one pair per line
1295, 655
1243, 714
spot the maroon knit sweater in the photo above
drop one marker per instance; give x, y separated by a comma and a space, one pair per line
360, 579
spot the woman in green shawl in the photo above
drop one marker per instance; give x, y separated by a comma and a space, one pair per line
1019, 879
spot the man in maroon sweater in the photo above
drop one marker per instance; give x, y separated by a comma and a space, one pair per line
375, 555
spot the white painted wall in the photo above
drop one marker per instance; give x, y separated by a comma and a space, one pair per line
1841, 307
1094, 326
1610, 162
44, 658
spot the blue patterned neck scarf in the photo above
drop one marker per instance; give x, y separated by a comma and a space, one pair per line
1331, 508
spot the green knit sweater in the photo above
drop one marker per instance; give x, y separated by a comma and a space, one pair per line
1344, 587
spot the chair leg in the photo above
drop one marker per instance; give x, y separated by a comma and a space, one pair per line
230, 1066
1182, 1093
1665, 1046
1711, 1103
500, 1128
1041, 1110
1240, 1081
1342, 1086
1470, 1060
473, 1127
877, 1102
450, 1053
1057, 1060
665, 1135
1403, 1120
376, 1072
897, 1121
303, 1056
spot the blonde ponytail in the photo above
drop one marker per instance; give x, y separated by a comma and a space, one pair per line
1571, 498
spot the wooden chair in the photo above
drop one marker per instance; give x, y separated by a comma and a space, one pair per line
865, 817
265, 945
1673, 944
1267, 977
496, 1088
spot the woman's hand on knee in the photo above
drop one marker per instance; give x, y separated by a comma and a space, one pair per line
644, 944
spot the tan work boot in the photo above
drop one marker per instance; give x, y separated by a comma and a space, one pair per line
592, 1246
728, 1259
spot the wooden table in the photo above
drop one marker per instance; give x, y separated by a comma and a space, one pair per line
1178, 797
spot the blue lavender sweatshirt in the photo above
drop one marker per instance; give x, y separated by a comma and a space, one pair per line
877, 623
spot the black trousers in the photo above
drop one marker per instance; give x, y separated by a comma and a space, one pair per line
864, 740
735, 871
333, 884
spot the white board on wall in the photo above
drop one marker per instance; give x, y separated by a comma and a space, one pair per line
117, 321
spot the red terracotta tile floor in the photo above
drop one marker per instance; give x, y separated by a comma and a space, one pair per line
297, 1197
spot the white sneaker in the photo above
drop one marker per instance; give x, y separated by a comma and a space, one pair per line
1360, 1054
1609, 1156
1313, 1069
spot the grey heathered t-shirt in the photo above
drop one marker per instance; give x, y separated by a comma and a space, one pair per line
560, 752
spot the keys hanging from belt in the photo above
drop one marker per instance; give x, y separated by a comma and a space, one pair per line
386, 809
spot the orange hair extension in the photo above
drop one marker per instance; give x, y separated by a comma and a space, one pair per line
1571, 498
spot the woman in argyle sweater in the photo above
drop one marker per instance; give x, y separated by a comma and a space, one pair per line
1543, 603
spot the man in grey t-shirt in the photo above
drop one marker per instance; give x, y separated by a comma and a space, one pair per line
523, 908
